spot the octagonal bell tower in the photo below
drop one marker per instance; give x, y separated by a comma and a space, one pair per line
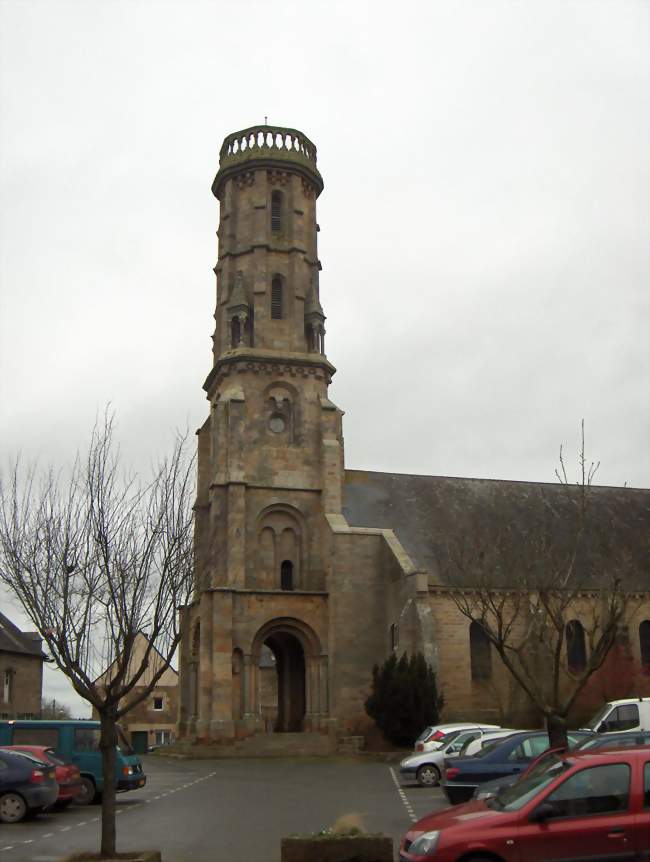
270, 455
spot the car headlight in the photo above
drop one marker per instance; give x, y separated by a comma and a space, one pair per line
426, 842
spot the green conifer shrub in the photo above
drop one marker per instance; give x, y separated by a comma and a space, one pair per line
404, 698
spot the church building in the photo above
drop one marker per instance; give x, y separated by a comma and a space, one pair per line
308, 573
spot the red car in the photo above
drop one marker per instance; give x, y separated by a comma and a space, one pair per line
586, 806
68, 776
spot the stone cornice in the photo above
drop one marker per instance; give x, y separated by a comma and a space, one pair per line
257, 361
272, 247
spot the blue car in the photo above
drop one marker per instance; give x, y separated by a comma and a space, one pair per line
27, 786
506, 757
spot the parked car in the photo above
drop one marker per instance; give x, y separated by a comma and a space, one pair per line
77, 742
630, 713
552, 755
67, 775
510, 756
587, 806
431, 737
540, 764
27, 786
473, 746
426, 766
630, 739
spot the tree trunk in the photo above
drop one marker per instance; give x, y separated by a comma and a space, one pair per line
556, 726
107, 743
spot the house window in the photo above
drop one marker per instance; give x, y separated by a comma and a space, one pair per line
164, 737
286, 575
276, 298
644, 643
158, 703
575, 647
479, 652
276, 212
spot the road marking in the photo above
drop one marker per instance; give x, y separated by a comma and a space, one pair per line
29, 841
47, 835
83, 823
65, 828
7, 848
403, 797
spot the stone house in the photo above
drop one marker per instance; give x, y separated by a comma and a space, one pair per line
329, 568
152, 722
21, 671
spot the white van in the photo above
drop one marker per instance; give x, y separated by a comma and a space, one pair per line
631, 713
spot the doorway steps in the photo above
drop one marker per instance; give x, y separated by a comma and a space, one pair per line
260, 745
287, 745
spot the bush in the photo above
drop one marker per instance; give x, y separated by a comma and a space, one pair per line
404, 698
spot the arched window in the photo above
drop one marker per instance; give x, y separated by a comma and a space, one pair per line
644, 643
276, 297
480, 653
576, 651
276, 212
235, 332
286, 575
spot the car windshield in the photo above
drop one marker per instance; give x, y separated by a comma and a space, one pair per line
487, 748
26, 756
546, 761
517, 795
600, 715
53, 758
448, 737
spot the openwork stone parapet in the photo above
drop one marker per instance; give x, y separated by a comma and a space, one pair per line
274, 147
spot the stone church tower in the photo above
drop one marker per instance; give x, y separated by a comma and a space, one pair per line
270, 455
307, 574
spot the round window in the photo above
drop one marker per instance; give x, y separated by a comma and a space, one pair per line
277, 423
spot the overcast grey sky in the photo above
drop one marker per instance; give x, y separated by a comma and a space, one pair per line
484, 224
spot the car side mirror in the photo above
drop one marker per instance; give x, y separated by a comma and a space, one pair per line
544, 812
602, 727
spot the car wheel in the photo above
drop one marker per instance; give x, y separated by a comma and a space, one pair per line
87, 793
12, 808
428, 775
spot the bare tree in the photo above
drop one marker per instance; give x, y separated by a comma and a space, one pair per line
51, 709
548, 596
94, 559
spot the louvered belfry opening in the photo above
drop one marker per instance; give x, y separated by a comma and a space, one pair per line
276, 212
276, 298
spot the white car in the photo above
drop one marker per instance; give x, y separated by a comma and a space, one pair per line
475, 745
426, 767
431, 737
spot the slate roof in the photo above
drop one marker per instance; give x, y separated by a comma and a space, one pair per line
428, 513
15, 641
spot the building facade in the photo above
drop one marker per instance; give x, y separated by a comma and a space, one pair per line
21, 672
325, 570
152, 721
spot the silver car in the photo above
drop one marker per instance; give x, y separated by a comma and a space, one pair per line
426, 767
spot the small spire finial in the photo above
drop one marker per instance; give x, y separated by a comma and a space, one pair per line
266, 120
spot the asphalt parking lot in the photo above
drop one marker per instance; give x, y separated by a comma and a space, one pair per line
213, 810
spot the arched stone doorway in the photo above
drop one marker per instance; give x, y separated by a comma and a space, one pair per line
289, 693
290, 681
